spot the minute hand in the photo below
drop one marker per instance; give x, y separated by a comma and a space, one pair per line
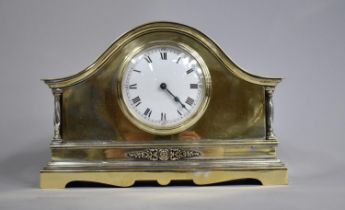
164, 87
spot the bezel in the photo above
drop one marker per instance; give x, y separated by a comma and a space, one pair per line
164, 130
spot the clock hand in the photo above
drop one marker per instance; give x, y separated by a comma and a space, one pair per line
163, 86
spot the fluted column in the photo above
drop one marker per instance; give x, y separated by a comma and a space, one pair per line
57, 92
269, 112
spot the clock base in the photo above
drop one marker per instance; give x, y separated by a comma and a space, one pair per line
59, 179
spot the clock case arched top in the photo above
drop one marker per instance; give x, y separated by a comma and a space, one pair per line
162, 27
86, 106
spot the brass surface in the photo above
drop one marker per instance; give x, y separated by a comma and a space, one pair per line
163, 154
96, 151
197, 36
91, 109
59, 180
97, 135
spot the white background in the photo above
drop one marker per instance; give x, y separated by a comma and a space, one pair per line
302, 41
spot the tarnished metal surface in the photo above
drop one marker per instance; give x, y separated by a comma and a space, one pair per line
91, 109
163, 154
103, 151
95, 141
57, 92
269, 113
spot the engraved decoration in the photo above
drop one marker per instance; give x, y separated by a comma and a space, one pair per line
164, 154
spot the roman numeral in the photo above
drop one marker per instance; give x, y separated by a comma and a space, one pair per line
136, 101
193, 86
189, 71
163, 116
133, 86
136, 70
189, 101
178, 60
148, 59
164, 55
148, 112
179, 112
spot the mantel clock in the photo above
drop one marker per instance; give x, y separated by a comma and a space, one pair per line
163, 103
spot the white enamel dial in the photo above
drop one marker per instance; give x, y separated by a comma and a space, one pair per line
163, 87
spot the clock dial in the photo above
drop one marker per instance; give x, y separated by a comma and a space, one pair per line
163, 87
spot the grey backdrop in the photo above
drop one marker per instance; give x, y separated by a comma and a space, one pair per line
302, 41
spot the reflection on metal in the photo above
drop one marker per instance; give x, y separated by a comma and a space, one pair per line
269, 113
164, 154
59, 179
95, 141
57, 92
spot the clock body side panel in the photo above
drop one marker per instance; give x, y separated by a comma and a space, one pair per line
91, 110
